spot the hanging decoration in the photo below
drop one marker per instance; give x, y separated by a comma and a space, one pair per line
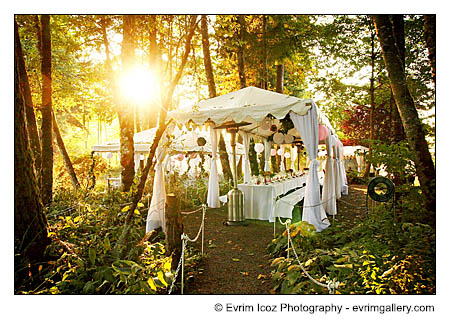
287, 155
265, 124
180, 157
259, 147
288, 138
142, 157
273, 128
280, 152
201, 141
278, 138
109, 155
273, 152
323, 133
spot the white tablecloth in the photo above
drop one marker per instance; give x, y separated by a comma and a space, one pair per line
259, 200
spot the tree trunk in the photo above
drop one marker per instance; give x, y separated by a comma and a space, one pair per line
30, 224
240, 51
207, 57
126, 111
430, 40
46, 127
372, 100
264, 37
212, 93
408, 113
65, 155
155, 65
174, 229
35, 143
280, 78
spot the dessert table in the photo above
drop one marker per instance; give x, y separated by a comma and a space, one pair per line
259, 199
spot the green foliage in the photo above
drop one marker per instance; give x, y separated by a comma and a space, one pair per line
395, 158
84, 231
378, 256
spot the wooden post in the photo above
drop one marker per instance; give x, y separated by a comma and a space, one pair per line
174, 228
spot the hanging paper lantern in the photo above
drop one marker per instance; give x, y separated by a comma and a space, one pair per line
273, 152
278, 138
292, 132
180, 157
259, 147
287, 155
288, 138
273, 128
201, 141
265, 124
323, 133
280, 152
109, 155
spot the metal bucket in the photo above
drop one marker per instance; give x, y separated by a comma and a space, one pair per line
235, 207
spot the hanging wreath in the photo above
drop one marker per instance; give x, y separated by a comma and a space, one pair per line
388, 190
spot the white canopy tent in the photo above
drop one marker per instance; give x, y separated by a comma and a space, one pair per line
258, 107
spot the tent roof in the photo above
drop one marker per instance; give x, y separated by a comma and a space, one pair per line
251, 105
183, 141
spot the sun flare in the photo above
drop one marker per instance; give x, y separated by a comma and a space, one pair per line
139, 85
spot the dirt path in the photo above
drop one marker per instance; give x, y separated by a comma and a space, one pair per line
237, 256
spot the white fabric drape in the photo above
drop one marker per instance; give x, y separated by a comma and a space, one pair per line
308, 128
337, 169
267, 149
137, 160
359, 160
246, 161
282, 167
293, 157
328, 191
342, 166
155, 216
213, 184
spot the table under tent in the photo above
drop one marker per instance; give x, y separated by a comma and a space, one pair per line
259, 113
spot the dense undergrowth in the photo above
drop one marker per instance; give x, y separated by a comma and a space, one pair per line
382, 254
84, 231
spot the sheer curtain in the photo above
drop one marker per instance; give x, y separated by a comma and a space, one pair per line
328, 191
155, 216
337, 169
308, 128
246, 162
342, 165
282, 167
293, 157
267, 149
213, 184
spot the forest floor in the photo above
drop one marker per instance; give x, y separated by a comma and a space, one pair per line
236, 260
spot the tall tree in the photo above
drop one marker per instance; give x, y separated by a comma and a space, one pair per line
125, 110
430, 41
212, 93
162, 125
35, 143
408, 112
65, 155
46, 110
240, 51
30, 224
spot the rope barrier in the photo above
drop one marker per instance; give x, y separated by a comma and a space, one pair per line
184, 239
331, 285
